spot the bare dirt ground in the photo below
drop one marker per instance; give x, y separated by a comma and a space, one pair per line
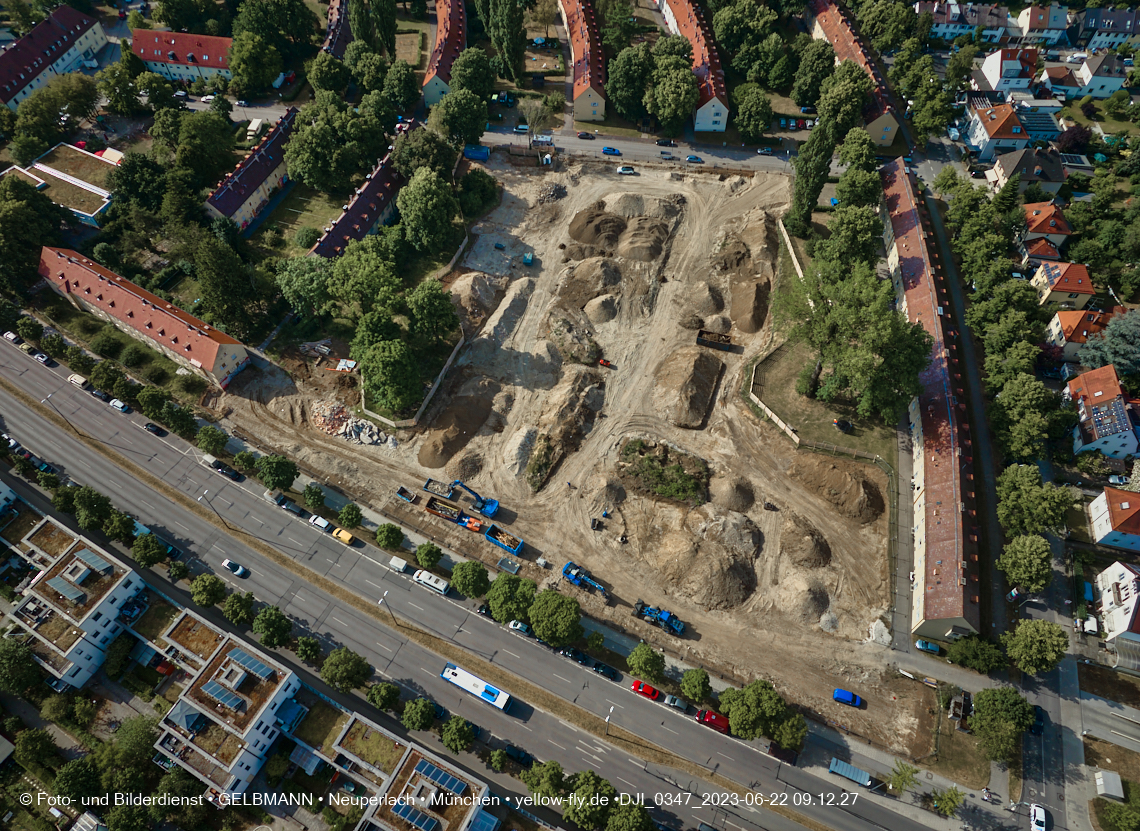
628, 269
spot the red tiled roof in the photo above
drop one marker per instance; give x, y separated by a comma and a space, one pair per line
848, 47
39, 48
1042, 249
1046, 218
693, 27
999, 122
1123, 510
1079, 326
450, 38
232, 192
339, 33
951, 579
383, 183
1026, 57
1068, 277
69, 272
181, 49
585, 46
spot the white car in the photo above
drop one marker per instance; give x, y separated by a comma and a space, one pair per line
320, 522
1118, 480
519, 626
206, 99
626, 170
239, 570
1036, 817
119, 405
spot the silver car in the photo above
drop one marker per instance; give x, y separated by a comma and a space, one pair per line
677, 703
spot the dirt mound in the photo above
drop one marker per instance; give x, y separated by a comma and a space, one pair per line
691, 321
750, 305
707, 300
710, 558
459, 423
733, 257
575, 251
609, 489
593, 226
732, 493
583, 282
802, 542
643, 239
719, 324
570, 335
804, 598
602, 309
476, 295
570, 411
467, 466
685, 385
635, 204
842, 484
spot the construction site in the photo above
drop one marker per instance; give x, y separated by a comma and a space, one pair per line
598, 400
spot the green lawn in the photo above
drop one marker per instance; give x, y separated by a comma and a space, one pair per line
612, 124
320, 728
303, 207
1109, 125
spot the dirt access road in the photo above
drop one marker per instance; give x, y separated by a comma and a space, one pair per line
629, 267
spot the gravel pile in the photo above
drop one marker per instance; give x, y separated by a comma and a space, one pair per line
359, 431
551, 193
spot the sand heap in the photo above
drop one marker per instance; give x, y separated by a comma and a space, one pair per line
476, 295
749, 289
643, 239
852, 493
465, 466
706, 299
637, 204
588, 279
459, 422
686, 381
802, 544
594, 226
803, 598
733, 493
636, 229
602, 309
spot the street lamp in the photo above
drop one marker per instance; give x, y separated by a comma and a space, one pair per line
215, 510
388, 606
51, 404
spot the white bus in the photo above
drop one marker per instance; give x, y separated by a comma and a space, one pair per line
476, 686
431, 581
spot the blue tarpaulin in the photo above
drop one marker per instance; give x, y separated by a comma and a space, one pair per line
1088, 591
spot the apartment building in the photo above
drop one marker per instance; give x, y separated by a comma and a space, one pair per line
686, 18
1010, 69
246, 190
1107, 28
450, 40
1044, 24
589, 95
952, 20
179, 56
1063, 285
57, 45
371, 206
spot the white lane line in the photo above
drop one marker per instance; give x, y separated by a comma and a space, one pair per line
674, 732
428, 671
414, 606
143, 501
341, 622
369, 582
633, 761
180, 525
386, 649
556, 744
298, 542
524, 727
615, 704
627, 782
560, 678
513, 655
255, 571
718, 753
1126, 718
298, 598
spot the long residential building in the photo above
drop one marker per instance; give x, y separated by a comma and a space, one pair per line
180, 336
450, 40
178, 56
339, 33
830, 22
589, 62
685, 18
246, 190
371, 206
947, 592
57, 45
952, 20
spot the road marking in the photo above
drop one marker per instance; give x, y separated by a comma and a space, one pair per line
718, 753
560, 678
298, 542
297, 597
369, 582
341, 622
615, 704
627, 782
180, 525
429, 672
674, 732
1127, 718
524, 727
414, 606
513, 655
386, 649
556, 744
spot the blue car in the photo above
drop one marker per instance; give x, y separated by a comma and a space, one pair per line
694, 159
927, 646
610, 151
848, 698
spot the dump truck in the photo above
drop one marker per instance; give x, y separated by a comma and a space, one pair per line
438, 488
578, 576
707, 338
659, 617
502, 539
444, 509
487, 507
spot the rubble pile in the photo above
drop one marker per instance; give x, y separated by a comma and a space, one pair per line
359, 431
334, 419
316, 348
551, 193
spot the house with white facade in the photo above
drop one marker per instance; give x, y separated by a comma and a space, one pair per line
1105, 414
1010, 69
246, 190
994, 130
179, 56
687, 19
450, 40
1063, 285
1032, 166
1101, 75
1043, 24
1107, 28
57, 45
1069, 330
1061, 81
1117, 591
952, 20
1115, 519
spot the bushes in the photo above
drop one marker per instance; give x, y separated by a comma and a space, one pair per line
107, 343
306, 237
117, 655
134, 355
477, 190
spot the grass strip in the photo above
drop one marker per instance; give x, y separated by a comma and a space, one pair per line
536, 696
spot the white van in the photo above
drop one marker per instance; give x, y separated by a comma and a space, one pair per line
428, 580
78, 380
397, 565
1080, 57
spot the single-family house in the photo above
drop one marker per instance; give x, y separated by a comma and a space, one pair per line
1044, 220
56, 45
1034, 166
179, 56
1107, 28
1115, 519
1010, 69
180, 336
1069, 330
580, 22
995, 129
1101, 75
242, 194
687, 19
450, 40
1060, 81
954, 19
1039, 125
1036, 251
1105, 414
1043, 24
1117, 590
1063, 285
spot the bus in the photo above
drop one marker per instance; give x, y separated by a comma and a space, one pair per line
476, 686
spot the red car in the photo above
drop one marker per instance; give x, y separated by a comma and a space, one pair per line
641, 688
714, 720
801, 124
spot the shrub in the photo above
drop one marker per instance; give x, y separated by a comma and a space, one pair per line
117, 655
107, 343
154, 374
192, 384
306, 237
79, 361
134, 355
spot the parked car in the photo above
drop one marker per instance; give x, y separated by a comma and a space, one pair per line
801, 123
318, 521
520, 627
694, 159
783, 123
848, 698
116, 404
206, 99
1118, 480
677, 703
43, 359
606, 671
519, 755
585, 135
712, 719
1037, 817
439, 711
242, 103
12, 443
44, 467
239, 570
1038, 721
153, 428
344, 536
484, 610
610, 151
641, 688
521, 129
807, 110
576, 655
13, 337
764, 151
626, 170
927, 646
666, 143
102, 396
227, 471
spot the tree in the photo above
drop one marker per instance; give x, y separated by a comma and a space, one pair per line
309, 650
854, 234
1036, 646
457, 735
28, 220
20, 17
537, 115
350, 515
508, 35
695, 685
276, 472
238, 608
361, 25
254, 62
177, 571
30, 329
460, 116
477, 190
628, 77
383, 696
903, 777
543, 15
334, 142
1022, 413
510, 598
275, 629
35, 745
419, 714
225, 284
418, 149
391, 375
470, 579
384, 18
1075, 139
740, 29
1028, 506
47, 481
592, 799
84, 712
427, 207
314, 496
629, 817
390, 536
117, 85
757, 710
1000, 716
327, 72
673, 94
499, 760
401, 87
545, 779
78, 779
92, 508
211, 439
619, 26
812, 167
947, 800
128, 817
280, 22
207, 590
344, 670
754, 116
816, 63
960, 66
860, 188
222, 106
556, 618
304, 283
1118, 344
148, 550
433, 313
428, 554
472, 71
18, 670
159, 92
1027, 562
644, 661
977, 654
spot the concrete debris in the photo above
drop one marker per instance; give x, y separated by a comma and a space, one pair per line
551, 193
317, 347
359, 431
334, 419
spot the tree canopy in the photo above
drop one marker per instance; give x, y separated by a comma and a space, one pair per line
1000, 715
1026, 505
1027, 562
556, 618
344, 670
1036, 646
510, 598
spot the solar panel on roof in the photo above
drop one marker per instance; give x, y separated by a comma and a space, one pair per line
223, 696
441, 777
417, 818
252, 664
66, 589
94, 560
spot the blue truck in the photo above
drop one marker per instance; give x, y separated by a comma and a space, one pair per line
847, 771
476, 152
501, 538
659, 617
578, 576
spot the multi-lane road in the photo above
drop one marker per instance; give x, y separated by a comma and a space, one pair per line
363, 571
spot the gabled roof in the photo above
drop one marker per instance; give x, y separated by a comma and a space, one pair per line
1123, 510
1079, 326
1033, 165
450, 39
986, 15
1046, 218
269, 154
1106, 65
1100, 404
836, 26
25, 59
181, 48
1109, 20
1042, 249
1025, 58
694, 28
1068, 277
1041, 18
362, 213
1061, 76
1001, 122
585, 47
339, 33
